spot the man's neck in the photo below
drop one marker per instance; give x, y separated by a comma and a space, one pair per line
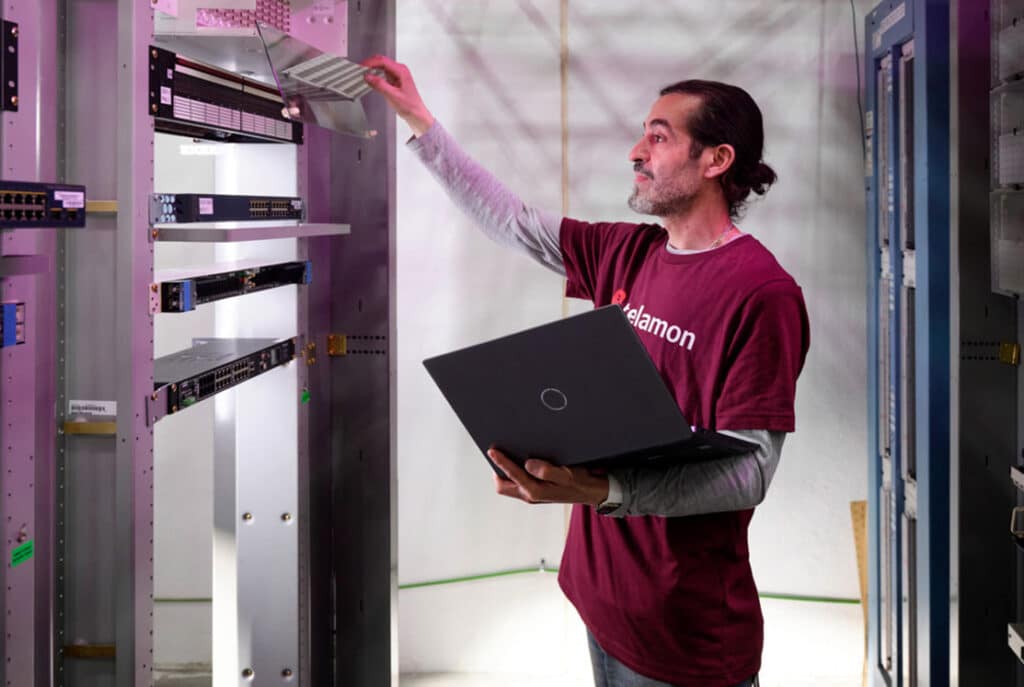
698, 227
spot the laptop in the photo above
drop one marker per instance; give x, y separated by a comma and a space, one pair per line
577, 391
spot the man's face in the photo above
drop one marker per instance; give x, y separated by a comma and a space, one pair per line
667, 179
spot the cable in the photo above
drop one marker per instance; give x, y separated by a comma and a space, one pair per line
860, 106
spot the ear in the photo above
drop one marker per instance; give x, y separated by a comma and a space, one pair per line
722, 157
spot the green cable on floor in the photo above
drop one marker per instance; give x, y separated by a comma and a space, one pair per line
542, 568
545, 569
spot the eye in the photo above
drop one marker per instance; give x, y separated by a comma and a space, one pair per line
657, 138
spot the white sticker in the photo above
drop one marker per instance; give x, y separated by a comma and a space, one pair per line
165, 95
297, 204
890, 21
166, 6
206, 206
323, 8
170, 74
94, 408
70, 199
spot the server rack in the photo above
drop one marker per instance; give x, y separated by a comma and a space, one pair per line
330, 550
906, 76
28, 126
944, 410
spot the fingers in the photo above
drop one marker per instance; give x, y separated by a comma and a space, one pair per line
547, 472
508, 466
395, 74
383, 62
381, 84
539, 482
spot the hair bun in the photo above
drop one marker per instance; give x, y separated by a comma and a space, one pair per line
760, 178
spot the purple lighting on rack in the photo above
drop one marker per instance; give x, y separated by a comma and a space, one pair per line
276, 13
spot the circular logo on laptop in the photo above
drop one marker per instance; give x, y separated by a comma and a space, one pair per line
553, 399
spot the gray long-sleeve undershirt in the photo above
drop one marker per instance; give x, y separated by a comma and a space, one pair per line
729, 484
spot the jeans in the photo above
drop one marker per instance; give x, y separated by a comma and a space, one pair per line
608, 672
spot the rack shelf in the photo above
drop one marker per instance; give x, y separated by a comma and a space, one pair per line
229, 234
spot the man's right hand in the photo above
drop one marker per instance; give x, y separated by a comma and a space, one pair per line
399, 90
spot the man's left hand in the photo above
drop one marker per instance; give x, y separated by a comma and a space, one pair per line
543, 482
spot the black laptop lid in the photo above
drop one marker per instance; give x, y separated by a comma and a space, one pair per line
577, 390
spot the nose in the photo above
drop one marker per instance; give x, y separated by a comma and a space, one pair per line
639, 152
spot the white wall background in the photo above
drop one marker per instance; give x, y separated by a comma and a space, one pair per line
490, 72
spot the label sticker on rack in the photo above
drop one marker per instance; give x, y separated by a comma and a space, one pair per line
206, 206
94, 408
165, 95
70, 199
323, 8
22, 553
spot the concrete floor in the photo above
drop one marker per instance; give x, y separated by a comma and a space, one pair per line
806, 645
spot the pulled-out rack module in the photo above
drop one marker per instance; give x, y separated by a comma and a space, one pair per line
184, 293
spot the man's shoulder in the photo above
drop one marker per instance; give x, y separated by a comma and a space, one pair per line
761, 266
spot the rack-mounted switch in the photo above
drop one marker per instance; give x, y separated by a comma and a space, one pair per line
214, 365
30, 204
171, 208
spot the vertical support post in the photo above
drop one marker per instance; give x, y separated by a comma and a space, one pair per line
932, 219
227, 654
363, 458
315, 471
303, 467
134, 349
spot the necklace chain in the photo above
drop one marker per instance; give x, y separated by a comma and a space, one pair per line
718, 242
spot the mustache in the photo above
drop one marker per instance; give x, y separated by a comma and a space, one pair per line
639, 169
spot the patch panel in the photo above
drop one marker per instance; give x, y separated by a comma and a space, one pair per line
189, 98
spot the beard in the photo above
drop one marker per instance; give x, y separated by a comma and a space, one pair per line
662, 199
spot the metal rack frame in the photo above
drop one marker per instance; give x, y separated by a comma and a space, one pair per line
346, 516
907, 187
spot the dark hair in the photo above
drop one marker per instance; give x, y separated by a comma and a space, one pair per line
729, 115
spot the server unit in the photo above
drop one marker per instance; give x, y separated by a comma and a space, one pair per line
184, 294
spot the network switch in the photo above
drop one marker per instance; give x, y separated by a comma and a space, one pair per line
184, 294
177, 208
193, 99
32, 204
214, 365
12, 324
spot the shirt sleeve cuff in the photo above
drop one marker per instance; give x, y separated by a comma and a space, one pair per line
430, 139
616, 494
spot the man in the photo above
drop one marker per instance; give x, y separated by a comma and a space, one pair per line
656, 560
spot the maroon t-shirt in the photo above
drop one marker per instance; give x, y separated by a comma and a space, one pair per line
674, 598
